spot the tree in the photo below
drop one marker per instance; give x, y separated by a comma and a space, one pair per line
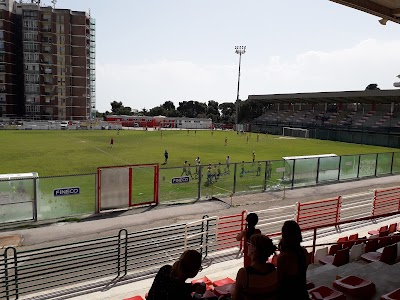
372, 87
168, 105
115, 106
228, 112
191, 109
157, 111
250, 109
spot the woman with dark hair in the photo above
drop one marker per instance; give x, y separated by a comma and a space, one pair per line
169, 283
292, 264
252, 220
259, 280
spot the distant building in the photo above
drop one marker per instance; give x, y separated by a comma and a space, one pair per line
47, 62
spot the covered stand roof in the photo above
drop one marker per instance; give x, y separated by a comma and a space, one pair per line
388, 10
368, 96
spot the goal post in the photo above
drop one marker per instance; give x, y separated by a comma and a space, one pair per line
296, 132
121, 187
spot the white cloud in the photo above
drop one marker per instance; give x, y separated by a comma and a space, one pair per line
149, 85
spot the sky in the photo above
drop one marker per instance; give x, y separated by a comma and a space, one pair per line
152, 51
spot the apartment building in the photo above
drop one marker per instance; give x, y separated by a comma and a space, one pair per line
53, 65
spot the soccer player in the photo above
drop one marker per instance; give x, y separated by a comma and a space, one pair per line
228, 162
226, 141
254, 156
111, 142
209, 179
242, 169
247, 139
184, 171
258, 137
219, 170
197, 160
189, 172
258, 169
166, 157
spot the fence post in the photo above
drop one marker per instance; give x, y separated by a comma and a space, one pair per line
358, 167
125, 242
316, 179
234, 179
266, 176
6, 274
391, 165
376, 164
293, 170
313, 244
340, 164
242, 228
373, 203
35, 202
200, 174
298, 204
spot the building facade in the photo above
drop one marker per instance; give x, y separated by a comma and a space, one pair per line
49, 62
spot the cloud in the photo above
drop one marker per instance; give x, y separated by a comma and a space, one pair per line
151, 84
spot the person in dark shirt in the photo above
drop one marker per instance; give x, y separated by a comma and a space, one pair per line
259, 280
292, 264
252, 220
169, 283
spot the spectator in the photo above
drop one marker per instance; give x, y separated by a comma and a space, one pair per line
169, 283
252, 220
292, 264
259, 280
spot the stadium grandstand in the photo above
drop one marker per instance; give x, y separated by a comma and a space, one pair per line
369, 117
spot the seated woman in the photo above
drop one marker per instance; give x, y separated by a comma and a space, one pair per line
169, 283
259, 280
292, 264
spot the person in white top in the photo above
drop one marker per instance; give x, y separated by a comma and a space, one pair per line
228, 161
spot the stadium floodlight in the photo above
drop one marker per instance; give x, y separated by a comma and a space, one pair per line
238, 50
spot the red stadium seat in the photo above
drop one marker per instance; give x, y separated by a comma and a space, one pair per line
374, 232
392, 228
342, 241
355, 287
325, 293
223, 282
341, 258
225, 290
206, 280
371, 246
334, 248
134, 298
388, 255
395, 295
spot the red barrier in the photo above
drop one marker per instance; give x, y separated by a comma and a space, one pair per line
317, 213
228, 229
386, 201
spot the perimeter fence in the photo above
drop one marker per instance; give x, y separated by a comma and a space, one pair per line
57, 197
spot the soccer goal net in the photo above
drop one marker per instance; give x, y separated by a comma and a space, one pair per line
295, 132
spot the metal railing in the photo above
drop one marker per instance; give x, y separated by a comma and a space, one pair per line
98, 262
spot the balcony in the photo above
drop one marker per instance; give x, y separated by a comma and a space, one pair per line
47, 41
48, 29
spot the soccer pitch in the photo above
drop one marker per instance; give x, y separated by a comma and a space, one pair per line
55, 153
67, 152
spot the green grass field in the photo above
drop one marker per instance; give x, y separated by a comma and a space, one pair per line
78, 152
56, 153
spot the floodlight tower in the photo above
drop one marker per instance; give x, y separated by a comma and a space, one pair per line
238, 50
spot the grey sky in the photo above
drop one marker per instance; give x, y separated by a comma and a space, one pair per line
152, 51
